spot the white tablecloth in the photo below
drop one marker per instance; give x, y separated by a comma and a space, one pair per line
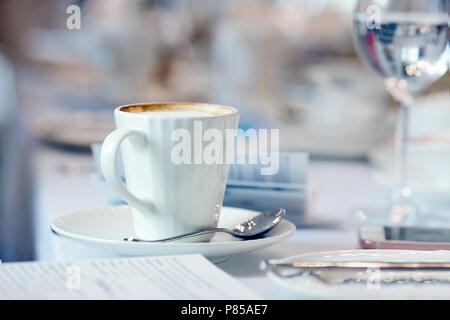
62, 185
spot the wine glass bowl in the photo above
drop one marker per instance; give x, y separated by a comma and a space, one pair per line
405, 45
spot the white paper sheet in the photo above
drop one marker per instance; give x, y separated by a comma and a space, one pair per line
167, 277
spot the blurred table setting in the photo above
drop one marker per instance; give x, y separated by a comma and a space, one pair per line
288, 65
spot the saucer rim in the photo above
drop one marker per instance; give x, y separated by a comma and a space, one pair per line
290, 230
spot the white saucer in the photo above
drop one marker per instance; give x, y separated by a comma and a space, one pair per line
105, 229
311, 287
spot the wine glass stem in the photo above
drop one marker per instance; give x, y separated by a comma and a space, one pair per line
401, 189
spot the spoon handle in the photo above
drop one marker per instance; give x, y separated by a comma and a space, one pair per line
184, 236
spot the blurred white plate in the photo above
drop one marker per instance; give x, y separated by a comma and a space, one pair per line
328, 144
74, 129
310, 286
105, 229
332, 112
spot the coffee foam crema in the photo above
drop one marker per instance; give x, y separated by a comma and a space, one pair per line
179, 109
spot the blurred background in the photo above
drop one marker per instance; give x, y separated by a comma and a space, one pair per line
287, 64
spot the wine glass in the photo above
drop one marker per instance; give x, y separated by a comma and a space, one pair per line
405, 42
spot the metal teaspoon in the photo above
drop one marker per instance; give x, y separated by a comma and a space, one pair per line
252, 228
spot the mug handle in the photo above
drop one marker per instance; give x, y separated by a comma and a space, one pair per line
108, 162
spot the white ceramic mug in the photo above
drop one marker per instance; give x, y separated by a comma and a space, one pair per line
167, 199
